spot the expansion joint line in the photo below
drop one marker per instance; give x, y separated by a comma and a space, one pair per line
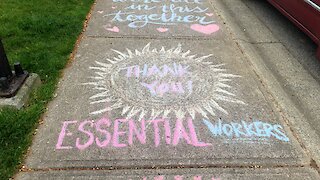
152, 37
257, 42
162, 167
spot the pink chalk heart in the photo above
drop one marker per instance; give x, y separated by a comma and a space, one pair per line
100, 12
205, 29
209, 14
113, 7
162, 29
114, 29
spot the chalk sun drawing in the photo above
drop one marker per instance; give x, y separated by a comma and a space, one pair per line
159, 83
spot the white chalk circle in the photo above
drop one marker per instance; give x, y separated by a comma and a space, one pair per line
154, 83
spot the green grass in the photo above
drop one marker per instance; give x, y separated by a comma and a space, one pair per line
41, 35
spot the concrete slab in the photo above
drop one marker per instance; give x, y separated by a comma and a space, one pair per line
238, 16
303, 88
179, 174
292, 87
155, 18
200, 110
22, 96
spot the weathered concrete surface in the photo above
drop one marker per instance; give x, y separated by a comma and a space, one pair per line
193, 19
302, 60
293, 88
183, 174
73, 104
22, 96
300, 46
143, 99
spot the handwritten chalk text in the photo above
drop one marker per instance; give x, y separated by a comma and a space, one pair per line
247, 129
161, 87
174, 69
156, 88
123, 133
137, 16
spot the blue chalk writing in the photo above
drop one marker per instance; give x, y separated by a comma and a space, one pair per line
246, 129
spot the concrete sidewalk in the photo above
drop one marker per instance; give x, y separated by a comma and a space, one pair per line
171, 90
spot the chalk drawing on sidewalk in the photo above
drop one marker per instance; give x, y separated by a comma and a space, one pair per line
205, 29
160, 29
122, 133
179, 177
247, 132
156, 83
113, 29
139, 14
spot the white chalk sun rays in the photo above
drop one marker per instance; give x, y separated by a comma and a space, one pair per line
209, 106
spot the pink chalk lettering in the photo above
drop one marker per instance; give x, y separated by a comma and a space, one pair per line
172, 87
167, 131
129, 71
215, 179
107, 135
178, 177
154, 70
157, 132
166, 69
103, 133
90, 135
163, 88
159, 178
133, 70
177, 70
150, 87
177, 87
117, 133
180, 132
62, 135
137, 71
194, 137
182, 70
133, 130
